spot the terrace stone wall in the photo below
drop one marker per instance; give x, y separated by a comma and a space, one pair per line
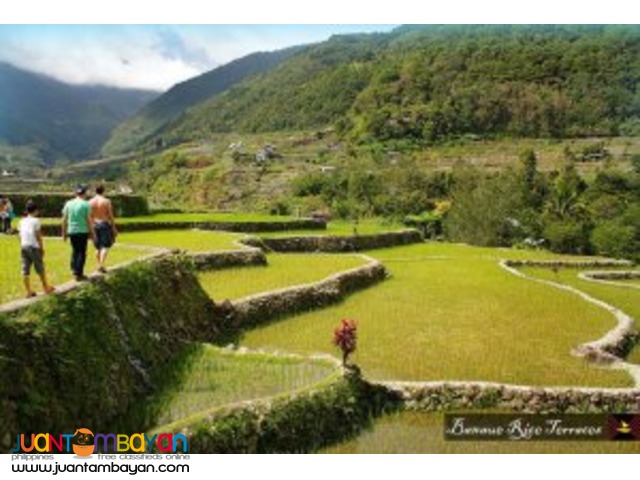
614, 275
300, 422
348, 403
329, 243
602, 263
204, 261
242, 227
442, 396
264, 307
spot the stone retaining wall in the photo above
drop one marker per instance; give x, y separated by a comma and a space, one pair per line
438, 396
264, 307
204, 261
613, 275
613, 278
242, 227
300, 422
603, 263
329, 243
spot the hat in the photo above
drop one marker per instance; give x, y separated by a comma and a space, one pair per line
81, 189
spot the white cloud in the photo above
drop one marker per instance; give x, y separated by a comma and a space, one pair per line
140, 59
151, 57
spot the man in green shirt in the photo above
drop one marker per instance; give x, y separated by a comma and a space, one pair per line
77, 226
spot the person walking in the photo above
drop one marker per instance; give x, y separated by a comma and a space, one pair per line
3, 214
104, 226
77, 226
32, 249
6, 214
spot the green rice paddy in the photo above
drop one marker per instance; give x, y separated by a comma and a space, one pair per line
450, 312
284, 270
217, 377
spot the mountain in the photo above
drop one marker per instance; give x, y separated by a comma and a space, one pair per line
172, 104
59, 120
429, 83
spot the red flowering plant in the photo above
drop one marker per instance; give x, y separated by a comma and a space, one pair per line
345, 338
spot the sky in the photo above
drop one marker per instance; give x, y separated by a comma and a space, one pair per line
151, 57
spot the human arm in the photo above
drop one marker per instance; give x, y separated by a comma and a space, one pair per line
40, 240
65, 223
92, 232
112, 220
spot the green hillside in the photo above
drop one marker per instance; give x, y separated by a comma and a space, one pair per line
45, 120
427, 83
171, 105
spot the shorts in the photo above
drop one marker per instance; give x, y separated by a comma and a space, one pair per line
104, 235
31, 256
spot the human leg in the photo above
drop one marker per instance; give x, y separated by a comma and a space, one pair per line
26, 261
79, 253
38, 264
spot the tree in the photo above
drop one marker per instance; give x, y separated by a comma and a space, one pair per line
564, 199
485, 209
615, 239
635, 162
567, 236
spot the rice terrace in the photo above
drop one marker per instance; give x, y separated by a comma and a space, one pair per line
293, 275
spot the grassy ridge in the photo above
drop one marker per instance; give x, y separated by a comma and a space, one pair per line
427, 83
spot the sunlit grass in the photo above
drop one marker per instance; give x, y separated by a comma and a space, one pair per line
450, 312
284, 270
415, 432
217, 377
57, 256
193, 240
627, 299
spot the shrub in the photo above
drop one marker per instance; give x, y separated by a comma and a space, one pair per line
615, 239
345, 338
567, 237
51, 204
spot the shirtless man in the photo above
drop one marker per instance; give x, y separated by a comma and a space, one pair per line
104, 226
